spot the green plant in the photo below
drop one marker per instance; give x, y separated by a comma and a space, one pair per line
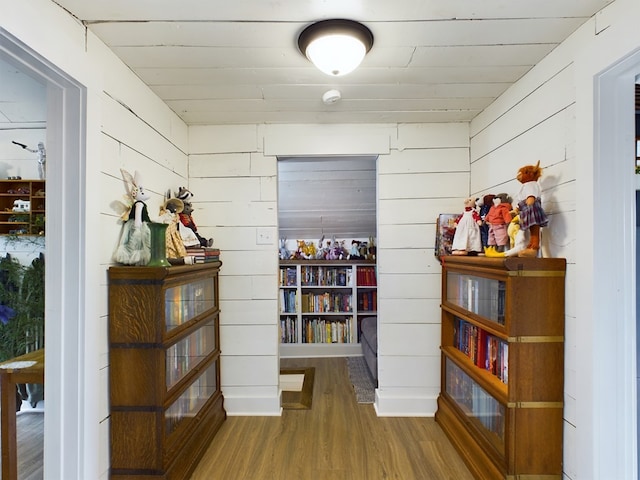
22, 295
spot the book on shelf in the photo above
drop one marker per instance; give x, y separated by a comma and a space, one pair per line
366, 276
288, 330
288, 277
326, 302
204, 254
486, 351
325, 330
445, 230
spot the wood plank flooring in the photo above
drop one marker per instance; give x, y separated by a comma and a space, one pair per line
338, 439
30, 442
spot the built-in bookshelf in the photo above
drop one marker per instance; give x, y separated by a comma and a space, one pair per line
166, 403
22, 207
321, 303
502, 383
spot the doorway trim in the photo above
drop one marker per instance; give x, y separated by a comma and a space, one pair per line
65, 452
607, 397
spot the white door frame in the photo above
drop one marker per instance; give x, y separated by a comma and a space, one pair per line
606, 401
64, 447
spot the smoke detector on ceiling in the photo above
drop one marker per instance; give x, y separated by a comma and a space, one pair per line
331, 96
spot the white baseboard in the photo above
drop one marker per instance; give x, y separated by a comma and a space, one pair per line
388, 404
253, 406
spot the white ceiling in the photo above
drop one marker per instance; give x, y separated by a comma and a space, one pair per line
237, 62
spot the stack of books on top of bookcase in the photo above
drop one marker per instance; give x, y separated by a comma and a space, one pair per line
204, 254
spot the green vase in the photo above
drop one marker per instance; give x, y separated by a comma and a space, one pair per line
158, 245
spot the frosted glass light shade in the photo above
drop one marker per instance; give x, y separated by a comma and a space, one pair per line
336, 54
336, 47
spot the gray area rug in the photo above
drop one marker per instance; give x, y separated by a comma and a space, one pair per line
363, 383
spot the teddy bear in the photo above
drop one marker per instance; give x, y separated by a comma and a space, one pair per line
466, 239
529, 207
498, 218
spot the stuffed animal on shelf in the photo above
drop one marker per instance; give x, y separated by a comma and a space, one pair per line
518, 241
134, 246
466, 239
283, 253
187, 219
498, 218
354, 253
529, 207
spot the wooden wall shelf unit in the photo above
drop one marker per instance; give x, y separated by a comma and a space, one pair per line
29, 222
321, 304
502, 383
166, 401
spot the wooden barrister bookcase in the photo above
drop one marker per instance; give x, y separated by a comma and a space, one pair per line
165, 398
502, 384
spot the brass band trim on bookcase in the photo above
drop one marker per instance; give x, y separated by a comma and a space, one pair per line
535, 273
537, 339
535, 404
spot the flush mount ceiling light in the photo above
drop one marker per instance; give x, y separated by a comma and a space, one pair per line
335, 46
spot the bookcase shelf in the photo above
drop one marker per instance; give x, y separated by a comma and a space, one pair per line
502, 382
164, 371
321, 304
30, 221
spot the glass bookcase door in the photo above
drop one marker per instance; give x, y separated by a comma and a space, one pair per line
187, 405
186, 353
186, 301
483, 296
479, 406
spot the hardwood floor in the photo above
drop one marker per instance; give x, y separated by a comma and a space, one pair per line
30, 442
338, 439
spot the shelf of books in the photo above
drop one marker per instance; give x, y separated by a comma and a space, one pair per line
321, 303
501, 399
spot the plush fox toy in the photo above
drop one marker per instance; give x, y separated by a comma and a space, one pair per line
529, 207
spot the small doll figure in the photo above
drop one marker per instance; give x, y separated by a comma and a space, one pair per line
529, 207
187, 219
518, 241
134, 247
466, 240
176, 251
355, 250
485, 205
498, 218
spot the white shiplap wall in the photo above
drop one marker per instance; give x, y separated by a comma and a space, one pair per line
423, 170
495, 154
127, 126
235, 197
425, 173
539, 119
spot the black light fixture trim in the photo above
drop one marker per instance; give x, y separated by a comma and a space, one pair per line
335, 26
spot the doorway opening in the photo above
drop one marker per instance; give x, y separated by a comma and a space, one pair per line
65, 455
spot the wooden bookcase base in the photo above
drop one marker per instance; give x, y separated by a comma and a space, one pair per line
192, 451
475, 457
